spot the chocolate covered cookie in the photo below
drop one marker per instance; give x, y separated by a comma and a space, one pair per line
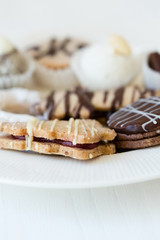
137, 125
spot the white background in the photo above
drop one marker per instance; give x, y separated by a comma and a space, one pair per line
126, 212
27, 20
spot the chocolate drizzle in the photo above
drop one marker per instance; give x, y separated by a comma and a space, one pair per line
54, 46
63, 46
84, 101
149, 92
80, 103
82, 45
117, 101
49, 107
139, 117
67, 104
34, 48
105, 96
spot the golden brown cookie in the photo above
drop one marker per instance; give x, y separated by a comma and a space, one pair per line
56, 53
81, 139
18, 100
138, 144
80, 103
57, 149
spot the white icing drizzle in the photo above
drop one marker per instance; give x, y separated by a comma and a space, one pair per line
128, 112
84, 129
1, 125
71, 121
54, 124
13, 125
40, 125
29, 138
36, 147
87, 126
36, 125
136, 109
93, 129
76, 132
90, 155
11, 144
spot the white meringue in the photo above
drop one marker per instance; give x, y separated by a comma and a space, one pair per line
103, 66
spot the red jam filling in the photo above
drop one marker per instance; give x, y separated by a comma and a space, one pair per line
62, 142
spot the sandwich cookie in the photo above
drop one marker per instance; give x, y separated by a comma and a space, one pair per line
137, 125
80, 139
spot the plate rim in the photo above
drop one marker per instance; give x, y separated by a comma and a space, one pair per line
56, 186
80, 185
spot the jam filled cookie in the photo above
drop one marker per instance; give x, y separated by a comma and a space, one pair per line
80, 139
137, 125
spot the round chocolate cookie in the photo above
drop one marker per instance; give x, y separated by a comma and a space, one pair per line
141, 143
137, 125
139, 117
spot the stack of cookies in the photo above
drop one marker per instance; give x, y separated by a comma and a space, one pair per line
137, 125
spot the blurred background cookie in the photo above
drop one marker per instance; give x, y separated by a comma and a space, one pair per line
53, 58
15, 68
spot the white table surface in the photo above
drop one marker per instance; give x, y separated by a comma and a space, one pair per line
124, 212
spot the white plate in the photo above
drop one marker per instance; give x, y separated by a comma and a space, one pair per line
36, 170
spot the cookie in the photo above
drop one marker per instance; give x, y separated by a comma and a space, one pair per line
18, 100
141, 143
56, 53
81, 139
137, 125
80, 103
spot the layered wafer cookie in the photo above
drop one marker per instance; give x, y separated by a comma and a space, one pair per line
80, 103
80, 139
